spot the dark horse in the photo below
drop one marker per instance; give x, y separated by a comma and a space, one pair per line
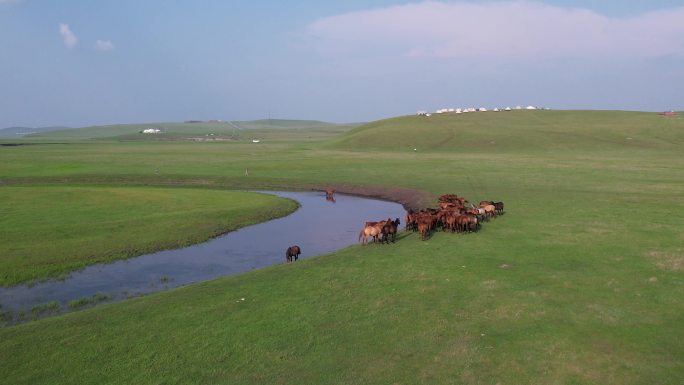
292, 252
389, 230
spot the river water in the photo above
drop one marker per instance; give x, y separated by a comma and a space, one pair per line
318, 227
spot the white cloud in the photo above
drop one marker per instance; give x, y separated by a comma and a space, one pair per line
104, 45
69, 38
506, 29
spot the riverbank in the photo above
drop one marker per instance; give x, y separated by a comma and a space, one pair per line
53, 230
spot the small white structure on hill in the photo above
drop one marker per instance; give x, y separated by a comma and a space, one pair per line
530, 108
151, 131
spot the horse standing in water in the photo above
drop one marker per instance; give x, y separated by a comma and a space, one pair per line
292, 253
330, 195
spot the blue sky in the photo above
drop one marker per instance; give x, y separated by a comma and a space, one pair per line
80, 63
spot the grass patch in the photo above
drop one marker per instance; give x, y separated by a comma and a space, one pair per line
88, 301
46, 308
668, 260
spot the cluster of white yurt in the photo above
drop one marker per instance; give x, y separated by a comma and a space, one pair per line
478, 109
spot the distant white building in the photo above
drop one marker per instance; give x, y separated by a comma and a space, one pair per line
151, 131
530, 108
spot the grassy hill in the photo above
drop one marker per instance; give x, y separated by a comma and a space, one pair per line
518, 130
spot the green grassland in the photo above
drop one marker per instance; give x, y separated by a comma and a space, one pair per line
580, 282
48, 231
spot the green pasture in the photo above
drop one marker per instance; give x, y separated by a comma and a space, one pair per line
48, 231
580, 282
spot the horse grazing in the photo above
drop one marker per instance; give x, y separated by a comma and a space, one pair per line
292, 253
330, 195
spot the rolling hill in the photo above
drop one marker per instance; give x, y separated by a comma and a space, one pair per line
530, 130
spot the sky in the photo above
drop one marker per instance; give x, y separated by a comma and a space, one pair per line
78, 63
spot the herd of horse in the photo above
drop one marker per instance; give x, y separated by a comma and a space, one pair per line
454, 214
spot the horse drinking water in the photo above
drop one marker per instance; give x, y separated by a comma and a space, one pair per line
292, 253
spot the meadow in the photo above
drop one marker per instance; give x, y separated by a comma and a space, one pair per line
50, 232
580, 282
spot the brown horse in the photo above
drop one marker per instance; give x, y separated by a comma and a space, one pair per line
411, 220
330, 195
423, 229
292, 253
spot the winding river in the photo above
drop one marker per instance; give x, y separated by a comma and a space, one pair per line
318, 227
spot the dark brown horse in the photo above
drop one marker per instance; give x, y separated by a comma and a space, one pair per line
292, 253
389, 230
